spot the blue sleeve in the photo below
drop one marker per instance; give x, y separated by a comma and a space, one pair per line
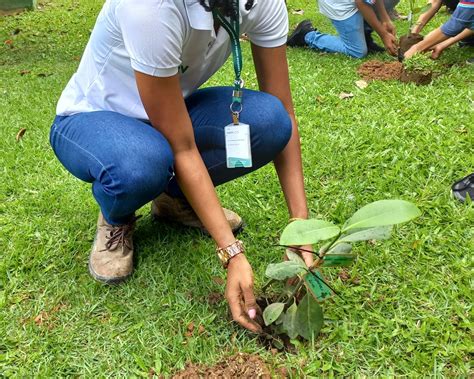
462, 18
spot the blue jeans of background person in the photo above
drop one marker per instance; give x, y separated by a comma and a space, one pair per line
350, 41
129, 163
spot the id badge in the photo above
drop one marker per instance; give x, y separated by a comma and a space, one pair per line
237, 146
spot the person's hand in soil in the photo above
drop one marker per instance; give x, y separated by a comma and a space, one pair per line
437, 51
239, 294
390, 43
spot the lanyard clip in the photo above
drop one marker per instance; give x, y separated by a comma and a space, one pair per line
235, 118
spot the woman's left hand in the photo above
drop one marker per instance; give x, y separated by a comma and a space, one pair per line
306, 255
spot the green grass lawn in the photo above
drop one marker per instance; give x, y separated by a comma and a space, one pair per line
407, 314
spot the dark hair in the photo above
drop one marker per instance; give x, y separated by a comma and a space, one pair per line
224, 5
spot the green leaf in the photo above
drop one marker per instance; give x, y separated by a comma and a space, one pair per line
338, 260
272, 312
284, 270
309, 317
341, 248
279, 320
292, 256
306, 232
378, 233
381, 213
278, 343
315, 284
289, 321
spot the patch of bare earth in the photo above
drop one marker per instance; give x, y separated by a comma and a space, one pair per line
237, 366
378, 70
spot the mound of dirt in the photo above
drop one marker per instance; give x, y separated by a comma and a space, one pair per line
406, 42
237, 366
378, 70
420, 78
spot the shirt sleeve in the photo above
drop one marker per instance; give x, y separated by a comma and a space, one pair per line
269, 23
462, 18
153, 35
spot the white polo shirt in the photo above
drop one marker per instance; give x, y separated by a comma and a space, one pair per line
159, 38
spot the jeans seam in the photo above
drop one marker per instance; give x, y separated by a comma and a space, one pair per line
93, 157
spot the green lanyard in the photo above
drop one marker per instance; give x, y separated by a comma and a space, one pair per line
233, 29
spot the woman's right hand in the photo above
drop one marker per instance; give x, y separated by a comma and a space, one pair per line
239, 293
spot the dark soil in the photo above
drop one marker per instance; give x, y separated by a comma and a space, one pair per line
268, 338
406, 42
237, 366
417, 77
378, 70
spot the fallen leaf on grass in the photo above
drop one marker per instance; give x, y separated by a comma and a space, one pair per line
201, 329
344, 276
361, 84
218, 280
345, 95
24, 72
214, 298
189, 329
298, 11
9, 43
42, 317
20, 134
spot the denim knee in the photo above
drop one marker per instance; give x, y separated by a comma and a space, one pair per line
359, 52
271, 125
134, 181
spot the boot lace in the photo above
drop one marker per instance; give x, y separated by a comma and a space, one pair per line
119, 235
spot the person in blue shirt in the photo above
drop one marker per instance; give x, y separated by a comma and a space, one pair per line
459, 26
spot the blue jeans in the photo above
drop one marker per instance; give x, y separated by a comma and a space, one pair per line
350, 41
129, 163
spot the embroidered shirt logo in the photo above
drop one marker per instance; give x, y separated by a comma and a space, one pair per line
182, 69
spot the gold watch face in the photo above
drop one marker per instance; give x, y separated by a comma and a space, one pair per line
229, 252
224, 256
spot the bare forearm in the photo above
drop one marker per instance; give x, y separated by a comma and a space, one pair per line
451, 41
290, 173
370, 16
381, 11
433, 38
272, 73
427, 16
198, 188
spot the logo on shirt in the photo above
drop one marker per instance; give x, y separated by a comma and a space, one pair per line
182, 69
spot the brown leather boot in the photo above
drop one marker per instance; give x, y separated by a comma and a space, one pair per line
111, 259
179, 210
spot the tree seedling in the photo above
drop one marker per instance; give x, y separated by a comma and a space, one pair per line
298, 311
415, 10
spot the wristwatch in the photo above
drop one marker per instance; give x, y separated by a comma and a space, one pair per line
225, 254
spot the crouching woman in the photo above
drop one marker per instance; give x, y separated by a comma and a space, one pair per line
133, 122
